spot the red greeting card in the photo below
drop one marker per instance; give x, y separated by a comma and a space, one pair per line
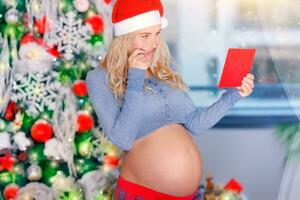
237, 65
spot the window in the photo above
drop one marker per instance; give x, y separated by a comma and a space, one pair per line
200, 33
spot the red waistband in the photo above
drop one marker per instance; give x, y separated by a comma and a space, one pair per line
148, 193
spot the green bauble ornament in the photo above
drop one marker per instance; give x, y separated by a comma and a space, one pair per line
5, 178
46, 115
83, 66
74, 73
36, 153
82, 137
18, 179
67, 65
85, 148
65, 5
22, 29
68, 69
19, 169
50, 168
84, 145
96, 40
3, 125
83, 166
12, 31
64, 77
72, 195
27, 123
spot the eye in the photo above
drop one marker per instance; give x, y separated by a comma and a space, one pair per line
158, 33
145, 36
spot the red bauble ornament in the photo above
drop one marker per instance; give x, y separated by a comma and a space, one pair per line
84, 121
111, 161
11, 111
10, 191
96, 23
41, 131
22, 156
79, 88
107, 1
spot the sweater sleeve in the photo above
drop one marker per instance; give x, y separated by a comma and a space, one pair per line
198, 120
120, 122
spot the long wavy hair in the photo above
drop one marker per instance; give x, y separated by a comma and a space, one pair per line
116, 64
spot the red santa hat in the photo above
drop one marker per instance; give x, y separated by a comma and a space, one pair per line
132, 15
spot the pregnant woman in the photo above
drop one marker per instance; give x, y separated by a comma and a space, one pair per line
143, 106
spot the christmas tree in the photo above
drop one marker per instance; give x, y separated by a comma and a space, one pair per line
51, 145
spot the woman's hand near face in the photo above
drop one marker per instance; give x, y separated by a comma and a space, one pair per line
137, 59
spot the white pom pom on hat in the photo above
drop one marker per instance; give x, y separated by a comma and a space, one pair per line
132, 15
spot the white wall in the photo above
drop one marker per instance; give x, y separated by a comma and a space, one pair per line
253, 156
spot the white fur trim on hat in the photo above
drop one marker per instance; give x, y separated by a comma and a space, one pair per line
138, 22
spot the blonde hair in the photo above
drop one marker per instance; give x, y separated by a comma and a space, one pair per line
116, 64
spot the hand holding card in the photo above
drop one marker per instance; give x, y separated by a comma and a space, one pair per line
247, 85
237, 65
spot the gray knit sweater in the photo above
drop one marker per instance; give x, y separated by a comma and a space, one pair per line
141, 112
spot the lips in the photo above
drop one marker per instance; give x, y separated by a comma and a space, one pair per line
149, 52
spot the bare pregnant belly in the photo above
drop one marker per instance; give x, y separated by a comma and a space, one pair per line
167, 160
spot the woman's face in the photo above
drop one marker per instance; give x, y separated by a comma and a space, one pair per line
147, 39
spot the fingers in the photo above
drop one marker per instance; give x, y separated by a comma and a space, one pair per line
136, 53
246, 90
251, 76
249, 80
247, 85
138, 59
